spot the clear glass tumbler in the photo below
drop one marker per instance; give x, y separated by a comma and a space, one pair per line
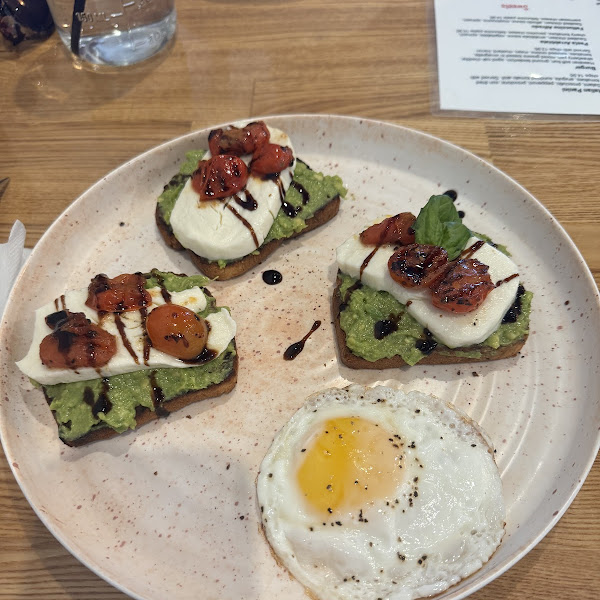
114, 32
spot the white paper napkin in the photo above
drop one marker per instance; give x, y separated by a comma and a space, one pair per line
12, 258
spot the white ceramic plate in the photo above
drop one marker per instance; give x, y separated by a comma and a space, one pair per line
170, 510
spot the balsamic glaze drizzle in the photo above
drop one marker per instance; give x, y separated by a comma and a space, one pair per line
125, 339
245, 223
249, 202
302, 191
452, 194
272, 277
158, 397
427, 345
512, 314
294, 349
384, 327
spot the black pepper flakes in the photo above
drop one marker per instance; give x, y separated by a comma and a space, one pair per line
401, 557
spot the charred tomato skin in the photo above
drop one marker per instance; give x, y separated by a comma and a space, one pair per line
238, 141
177, 331
123, 293
76, 343
219, 177
418, 265
464, 287
270, 159
393, 230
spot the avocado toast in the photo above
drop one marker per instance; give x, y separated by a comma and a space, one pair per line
259, 202
142, 377
427, 290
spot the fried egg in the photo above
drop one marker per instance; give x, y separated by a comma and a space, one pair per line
376, 493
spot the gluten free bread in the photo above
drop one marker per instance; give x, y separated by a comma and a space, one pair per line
234, 205
427, 290
410, 339
143, 379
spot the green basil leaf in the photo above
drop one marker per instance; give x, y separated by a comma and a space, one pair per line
438, 224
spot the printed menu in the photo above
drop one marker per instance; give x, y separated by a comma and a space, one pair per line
541, 56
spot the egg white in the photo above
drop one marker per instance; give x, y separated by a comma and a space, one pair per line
222, 331
212, 231
452, 330
455, 520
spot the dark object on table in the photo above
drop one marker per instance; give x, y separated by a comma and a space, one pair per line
25, 20
3, 185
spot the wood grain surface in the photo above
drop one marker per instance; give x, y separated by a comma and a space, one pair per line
63, 128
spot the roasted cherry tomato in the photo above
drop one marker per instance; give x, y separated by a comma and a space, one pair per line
418, 265
75, 342
238, 141
464, 287
393, 230
220, 177
270, 159
177, 331
120, 294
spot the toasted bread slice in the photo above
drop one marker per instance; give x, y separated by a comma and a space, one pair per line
441, 355
163, 409
92, 408
238, 267
316, 200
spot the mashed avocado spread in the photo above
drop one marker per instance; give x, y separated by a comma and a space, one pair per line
318, 190
363, 307
83, 406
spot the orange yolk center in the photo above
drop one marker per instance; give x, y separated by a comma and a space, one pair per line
349, 463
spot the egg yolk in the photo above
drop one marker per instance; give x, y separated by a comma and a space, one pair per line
350, 462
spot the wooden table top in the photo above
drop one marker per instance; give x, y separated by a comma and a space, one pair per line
61, 129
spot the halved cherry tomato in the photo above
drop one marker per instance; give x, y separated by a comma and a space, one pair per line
76, 342
418, 265
220, 177
270, 159
177, 331
464, 287
238, 141
393, 230
120, 294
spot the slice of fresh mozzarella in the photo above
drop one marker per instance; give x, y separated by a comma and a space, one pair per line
126, 360
452, 330
227, 229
